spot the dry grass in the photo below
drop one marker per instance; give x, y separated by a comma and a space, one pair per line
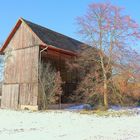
110, 113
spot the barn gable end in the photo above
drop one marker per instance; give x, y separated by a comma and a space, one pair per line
21, 69
23, 38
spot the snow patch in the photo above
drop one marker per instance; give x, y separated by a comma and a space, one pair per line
65, 125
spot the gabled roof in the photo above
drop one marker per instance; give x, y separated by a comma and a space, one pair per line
47, 37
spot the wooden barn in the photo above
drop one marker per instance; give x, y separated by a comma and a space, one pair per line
23, 49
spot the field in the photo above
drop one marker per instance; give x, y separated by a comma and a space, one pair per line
66, 125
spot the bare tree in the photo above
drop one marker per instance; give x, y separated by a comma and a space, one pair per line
106, 28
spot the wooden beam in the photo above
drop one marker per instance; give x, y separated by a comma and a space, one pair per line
50, 47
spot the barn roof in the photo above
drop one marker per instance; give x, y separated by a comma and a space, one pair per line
48, 37
54, 38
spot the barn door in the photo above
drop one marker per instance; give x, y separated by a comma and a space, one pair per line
10, 96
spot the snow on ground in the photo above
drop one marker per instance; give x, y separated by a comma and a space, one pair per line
65, 125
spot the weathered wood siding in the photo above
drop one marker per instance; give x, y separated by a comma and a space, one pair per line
23, 38
11, 97
21, 69
28, 94
21, 66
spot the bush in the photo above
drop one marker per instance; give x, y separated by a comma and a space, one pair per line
50, 85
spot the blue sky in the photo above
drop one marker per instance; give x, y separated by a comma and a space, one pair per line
58, 15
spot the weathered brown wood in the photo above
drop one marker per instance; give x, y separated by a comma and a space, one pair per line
22, 53
23, 38
21, 68
22, 65
10, 96
28, 94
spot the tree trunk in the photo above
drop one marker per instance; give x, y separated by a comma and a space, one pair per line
105, 83
105, 95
